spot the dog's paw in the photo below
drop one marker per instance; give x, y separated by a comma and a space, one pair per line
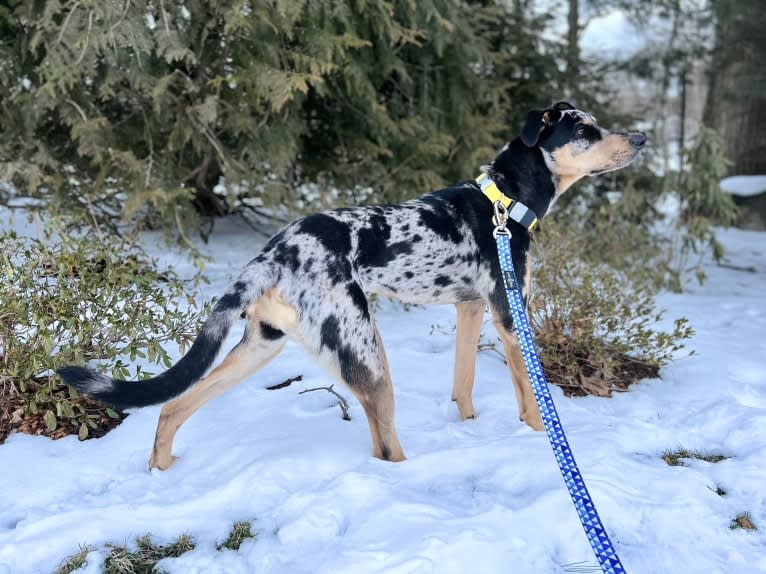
533, 421
161, 462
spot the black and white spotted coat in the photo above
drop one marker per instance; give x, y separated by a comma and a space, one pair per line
436, 249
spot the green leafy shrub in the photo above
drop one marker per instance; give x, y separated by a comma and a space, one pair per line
627, 201
703, 205
593, 308
69, 300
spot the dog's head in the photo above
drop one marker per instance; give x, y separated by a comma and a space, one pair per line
574, 146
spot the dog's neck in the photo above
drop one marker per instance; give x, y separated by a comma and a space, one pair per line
522, 174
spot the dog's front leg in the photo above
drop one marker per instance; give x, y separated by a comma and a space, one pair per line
528, 410
470, 316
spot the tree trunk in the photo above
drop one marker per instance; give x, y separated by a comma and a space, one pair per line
682, 122
205, 201
736, 103
573, 48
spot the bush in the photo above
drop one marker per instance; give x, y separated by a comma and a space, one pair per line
593, 307
703, 205
678, 239
70, 300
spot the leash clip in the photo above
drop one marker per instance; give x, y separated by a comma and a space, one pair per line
500, 219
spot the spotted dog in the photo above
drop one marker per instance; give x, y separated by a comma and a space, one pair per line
311, 281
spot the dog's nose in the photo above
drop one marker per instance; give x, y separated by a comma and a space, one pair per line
637, 140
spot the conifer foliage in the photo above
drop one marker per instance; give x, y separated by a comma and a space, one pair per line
131, 105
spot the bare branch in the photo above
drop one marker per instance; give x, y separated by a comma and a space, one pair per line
490, 347
165, 17
66, 21
286, 383
341, 401
87, 38
78, 108
747, 269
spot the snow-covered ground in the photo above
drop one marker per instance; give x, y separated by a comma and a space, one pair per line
744, 184
482, 496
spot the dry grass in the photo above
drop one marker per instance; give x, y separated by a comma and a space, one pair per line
74, 562
240, 533
144, 558
675, 457
743, 521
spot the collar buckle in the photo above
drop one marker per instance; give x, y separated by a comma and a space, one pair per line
500, 219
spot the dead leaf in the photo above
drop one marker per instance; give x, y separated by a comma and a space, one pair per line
745, 522
17, 416
596, 385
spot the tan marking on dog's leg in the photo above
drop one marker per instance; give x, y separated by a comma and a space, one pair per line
246, 358
528, 410
468, 330
271, 308
241, 362
528, 281
377, 400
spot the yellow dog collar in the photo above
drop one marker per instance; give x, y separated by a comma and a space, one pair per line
517, 211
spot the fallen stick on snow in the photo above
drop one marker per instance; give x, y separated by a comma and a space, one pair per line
286, 383
341, 401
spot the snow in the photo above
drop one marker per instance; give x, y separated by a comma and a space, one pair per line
613, 35
744, 184
477, 496
151, 23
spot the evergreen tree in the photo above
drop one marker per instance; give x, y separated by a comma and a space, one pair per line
145, 105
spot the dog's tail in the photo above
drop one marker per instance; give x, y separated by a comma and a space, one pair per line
192, 366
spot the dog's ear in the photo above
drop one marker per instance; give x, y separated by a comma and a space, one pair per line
536, 122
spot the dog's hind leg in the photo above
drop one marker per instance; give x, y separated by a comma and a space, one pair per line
378, 404
261, 343
376, 396
528, 410
470, 315
347, 343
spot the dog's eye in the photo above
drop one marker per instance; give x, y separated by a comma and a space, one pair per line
580, 131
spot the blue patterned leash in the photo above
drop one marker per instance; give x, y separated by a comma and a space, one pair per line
586, 510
